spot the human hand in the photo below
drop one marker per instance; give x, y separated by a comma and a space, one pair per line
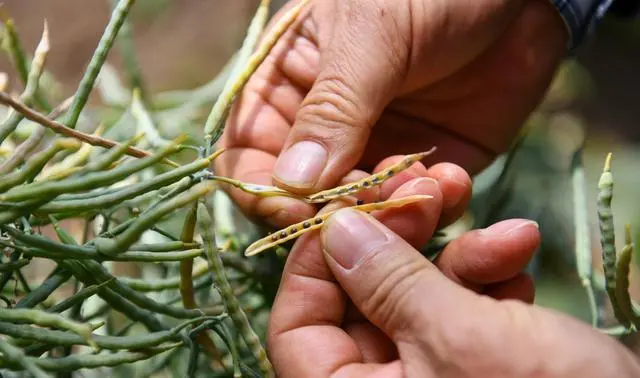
359, 300
357, 81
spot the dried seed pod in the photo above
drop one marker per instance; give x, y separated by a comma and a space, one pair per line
298, 229
368, 182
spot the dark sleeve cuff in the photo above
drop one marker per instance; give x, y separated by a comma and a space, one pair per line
580, 17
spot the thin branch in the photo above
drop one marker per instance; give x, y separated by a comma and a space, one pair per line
59, 128
33, 141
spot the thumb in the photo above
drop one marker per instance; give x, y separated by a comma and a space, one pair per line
391, 283
362, 63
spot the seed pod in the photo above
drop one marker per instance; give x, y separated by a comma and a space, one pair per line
60, 338
110, 157
608, 238
622, 281
36, 163
16, 356
368, 182
206, 229
94, 361
123, 241
90, 181
298, 229
45, 319
131, 191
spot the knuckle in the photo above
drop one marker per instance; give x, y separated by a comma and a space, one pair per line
393, 302
333, 106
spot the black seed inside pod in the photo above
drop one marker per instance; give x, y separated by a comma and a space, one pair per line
318, 221
293, 231
390, 173
274, 238
283, 234
366, 184
306, 225
359, 202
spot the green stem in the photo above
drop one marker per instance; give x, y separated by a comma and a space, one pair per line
118, 17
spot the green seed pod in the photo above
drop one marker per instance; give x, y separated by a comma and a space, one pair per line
17, 357
35, 164
608, 239
87, 182
622, 281
108, 200
206, 227
45, 319
122, 242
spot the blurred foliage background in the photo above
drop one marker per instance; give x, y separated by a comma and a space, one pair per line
182, 44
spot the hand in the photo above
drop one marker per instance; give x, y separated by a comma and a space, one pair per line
360, 301
356, 81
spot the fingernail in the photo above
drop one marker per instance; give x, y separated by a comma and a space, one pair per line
301, 165
350, 236
422, 183
508, 226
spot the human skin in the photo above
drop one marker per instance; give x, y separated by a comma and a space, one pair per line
358, 300
359, 82
362, 80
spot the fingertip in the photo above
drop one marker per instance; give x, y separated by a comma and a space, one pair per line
491, 255
417, 222
456, 187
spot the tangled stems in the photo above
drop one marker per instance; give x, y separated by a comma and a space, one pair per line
45, 319
205, 228
17, 357
7, 100
105, 201
35, 164
60, 338
93, 361
86, 182
123, 241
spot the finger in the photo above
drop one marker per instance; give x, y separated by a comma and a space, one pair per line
455, 185
353, 87
254, 166
389, 281
521, 288
310, 304
307, 315
492, 255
